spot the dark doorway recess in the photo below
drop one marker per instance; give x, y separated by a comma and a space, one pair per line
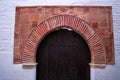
63, 55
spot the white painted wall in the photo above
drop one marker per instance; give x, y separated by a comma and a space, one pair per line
10, 71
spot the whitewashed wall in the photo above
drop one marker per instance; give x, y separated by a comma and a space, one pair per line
10, 71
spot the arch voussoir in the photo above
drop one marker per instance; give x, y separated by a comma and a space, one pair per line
98, 54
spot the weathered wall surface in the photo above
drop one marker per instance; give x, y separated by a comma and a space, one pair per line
10, 71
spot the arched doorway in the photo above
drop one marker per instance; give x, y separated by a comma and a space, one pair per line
93, 39
63, 55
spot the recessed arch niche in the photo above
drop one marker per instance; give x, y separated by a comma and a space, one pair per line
94, 41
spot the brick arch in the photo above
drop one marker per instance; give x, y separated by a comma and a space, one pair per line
98, 54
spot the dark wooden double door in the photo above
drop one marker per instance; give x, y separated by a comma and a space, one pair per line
63, 55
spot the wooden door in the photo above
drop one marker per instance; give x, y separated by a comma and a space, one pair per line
63, 55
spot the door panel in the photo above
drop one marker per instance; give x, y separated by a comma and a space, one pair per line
63, 55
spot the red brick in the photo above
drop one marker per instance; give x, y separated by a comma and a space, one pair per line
48, 18
34, 17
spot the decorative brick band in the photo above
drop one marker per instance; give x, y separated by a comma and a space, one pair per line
95, 43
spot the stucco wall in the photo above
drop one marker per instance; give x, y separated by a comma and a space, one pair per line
10, 71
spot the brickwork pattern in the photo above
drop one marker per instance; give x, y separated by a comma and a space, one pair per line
94, 24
